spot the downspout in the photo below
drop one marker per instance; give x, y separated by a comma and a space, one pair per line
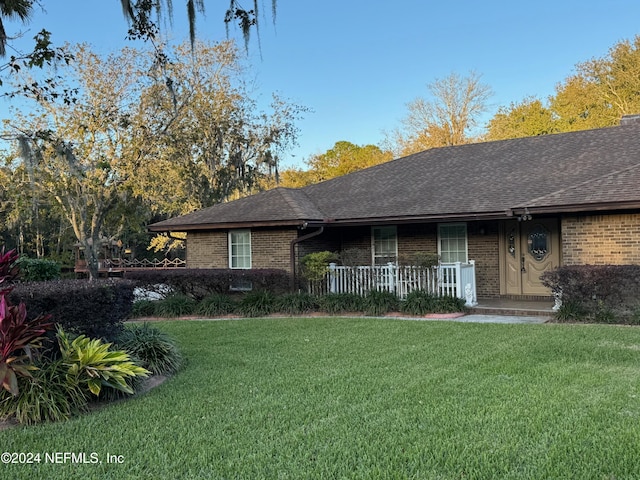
292, 254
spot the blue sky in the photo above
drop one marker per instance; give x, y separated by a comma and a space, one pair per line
357, 63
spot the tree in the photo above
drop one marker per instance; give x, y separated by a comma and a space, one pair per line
343, 158
447, 118
528, 118
219, 145
602, 90
145, 15
13, 9
142, 139
83, 153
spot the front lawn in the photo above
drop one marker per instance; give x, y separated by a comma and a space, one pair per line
366, 398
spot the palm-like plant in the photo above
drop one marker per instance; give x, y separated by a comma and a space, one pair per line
12, 9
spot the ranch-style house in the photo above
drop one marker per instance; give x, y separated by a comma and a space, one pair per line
507, 210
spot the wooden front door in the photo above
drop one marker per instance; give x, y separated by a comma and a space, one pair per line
529, 248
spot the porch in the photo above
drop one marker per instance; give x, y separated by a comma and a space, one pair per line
455, 279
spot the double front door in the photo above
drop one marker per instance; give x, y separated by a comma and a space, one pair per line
529, 248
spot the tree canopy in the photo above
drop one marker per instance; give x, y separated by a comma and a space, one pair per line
600, 92
133, 144
446, 118
343, 158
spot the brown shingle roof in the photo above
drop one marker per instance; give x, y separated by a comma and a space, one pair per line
280, 206
600, 166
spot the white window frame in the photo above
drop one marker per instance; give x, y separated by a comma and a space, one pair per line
441, 228
231, 244
374, 256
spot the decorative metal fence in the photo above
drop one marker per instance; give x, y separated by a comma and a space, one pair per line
456, 279
121, 263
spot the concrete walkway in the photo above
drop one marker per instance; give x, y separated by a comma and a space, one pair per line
475, 318
478, 318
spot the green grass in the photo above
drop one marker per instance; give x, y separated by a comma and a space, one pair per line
368, 398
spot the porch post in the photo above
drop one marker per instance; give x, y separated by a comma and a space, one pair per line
391, 275
332, 278
458, 282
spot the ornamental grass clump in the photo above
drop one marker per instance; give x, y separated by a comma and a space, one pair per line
296, 303
144, 308
257, 304
379, 302
177, 305
155, 350
216, 305
337, 303
45, 396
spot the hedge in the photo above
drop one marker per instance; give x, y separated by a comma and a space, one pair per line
199, 283
96, 309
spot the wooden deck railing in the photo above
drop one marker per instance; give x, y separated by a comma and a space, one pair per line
118, 265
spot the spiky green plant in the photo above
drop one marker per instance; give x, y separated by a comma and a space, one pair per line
92, 364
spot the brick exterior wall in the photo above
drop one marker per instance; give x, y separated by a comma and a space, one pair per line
483, 247
601, 239
207, 250
269, 248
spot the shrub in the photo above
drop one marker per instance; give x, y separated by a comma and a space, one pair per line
600, 293
257, 304
44, 397
217, 304
18, 338
379, 302
38, 270
336, 303
97, 310
315, 266
156, 351
91, 364
144, 308
296, 303
9, 268
176, 305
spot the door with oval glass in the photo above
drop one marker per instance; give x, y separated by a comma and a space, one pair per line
529, 248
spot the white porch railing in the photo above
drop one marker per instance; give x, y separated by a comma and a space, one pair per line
455, 279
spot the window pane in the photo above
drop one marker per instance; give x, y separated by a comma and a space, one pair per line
453, 243
384, 245
240, 249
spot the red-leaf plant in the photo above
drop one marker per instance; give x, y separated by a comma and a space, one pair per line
18, 336
9, 268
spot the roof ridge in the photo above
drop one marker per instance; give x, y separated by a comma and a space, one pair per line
287, 194
581, 184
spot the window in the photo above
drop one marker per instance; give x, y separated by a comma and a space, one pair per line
385, 245
452, 242
240, 249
